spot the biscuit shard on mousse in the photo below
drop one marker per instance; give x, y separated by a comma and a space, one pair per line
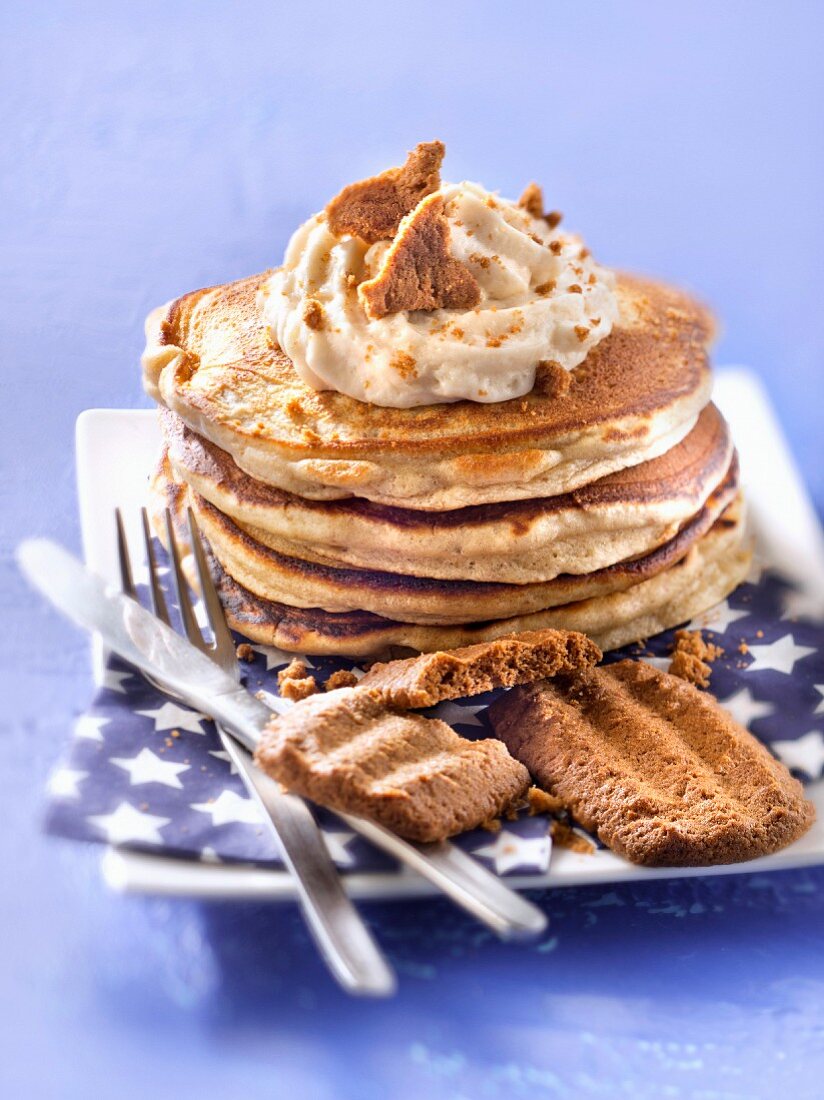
350, 751
654, 766
521, 658
418, 271
532, 200
372, 209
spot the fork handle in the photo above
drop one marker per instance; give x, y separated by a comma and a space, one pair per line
344, 940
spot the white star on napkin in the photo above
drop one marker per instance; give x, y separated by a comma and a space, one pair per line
509, 850
336, 844
147, 767
128, 824
169, 716
800, 603
276, 658
804, 753
719, 618
88, 726
780, 656
455, 715
230, 808
64, 783
745, 709
221, 754
113, 680
820, 689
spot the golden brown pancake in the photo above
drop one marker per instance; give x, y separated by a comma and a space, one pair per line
623, 515
305, 583
711, 569
638, 393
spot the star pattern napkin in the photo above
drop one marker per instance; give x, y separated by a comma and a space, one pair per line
146, 773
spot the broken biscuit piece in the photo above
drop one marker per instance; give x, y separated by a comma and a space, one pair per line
343, 678
564, 836
519, 658
418, 271
657, 769
532, 200
372, 209
692, 657
349, 750
295, 683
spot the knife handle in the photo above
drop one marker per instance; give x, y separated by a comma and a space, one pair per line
341, 935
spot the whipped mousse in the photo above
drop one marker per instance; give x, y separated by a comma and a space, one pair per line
494, 285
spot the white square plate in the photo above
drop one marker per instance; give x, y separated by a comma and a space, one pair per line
116, 448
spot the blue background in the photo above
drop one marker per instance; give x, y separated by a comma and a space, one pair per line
153, 147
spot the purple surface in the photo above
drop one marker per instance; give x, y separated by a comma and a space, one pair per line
151, 148
151, 775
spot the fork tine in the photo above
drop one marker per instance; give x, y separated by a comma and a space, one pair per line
158, 600
126, 579
184, 602
224, 645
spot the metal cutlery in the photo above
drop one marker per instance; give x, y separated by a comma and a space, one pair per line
189, 672
342, 937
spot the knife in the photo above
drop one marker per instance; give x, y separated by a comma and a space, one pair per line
157, 650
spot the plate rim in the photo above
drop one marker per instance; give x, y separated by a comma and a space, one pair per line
744, 401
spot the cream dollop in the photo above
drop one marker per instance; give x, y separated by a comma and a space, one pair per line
542, 298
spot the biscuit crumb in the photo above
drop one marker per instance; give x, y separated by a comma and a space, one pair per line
340, 679
372, 209
404, 364
565, 837
244, 652
294, 683
313, 314
542, 802
492, 826
532, 200
418, 271
692, 656
581, 331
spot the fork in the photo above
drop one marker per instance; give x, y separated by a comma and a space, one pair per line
344, 941
451, 870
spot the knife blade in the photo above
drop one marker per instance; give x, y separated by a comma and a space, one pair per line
148, 644
156, 650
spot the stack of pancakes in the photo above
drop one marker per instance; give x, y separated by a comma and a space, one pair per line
605, 501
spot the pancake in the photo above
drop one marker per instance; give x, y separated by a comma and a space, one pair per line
208, 358
713, 567
306, 583
624, 515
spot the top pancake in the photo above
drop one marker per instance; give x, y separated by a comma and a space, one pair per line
209, 359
